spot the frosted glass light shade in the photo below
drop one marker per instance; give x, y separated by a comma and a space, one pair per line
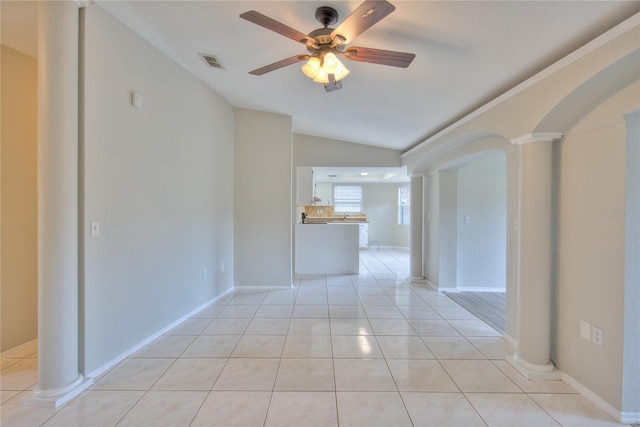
319, 71
311, 68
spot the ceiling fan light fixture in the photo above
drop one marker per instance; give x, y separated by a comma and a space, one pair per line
312, 67
319, 71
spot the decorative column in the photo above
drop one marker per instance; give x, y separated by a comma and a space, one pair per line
59, 379
533, 356
631, 338
415, 236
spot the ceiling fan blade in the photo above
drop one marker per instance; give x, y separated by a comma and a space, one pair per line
279, 64
273, 25
361, 19
379, 56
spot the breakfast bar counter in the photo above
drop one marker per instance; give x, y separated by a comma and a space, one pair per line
331, 248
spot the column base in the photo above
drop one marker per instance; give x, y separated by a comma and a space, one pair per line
57, 397
532, 371
417, 279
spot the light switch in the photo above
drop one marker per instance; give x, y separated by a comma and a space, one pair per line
95, 229
585, 330
136, 99
467, 219
516, 224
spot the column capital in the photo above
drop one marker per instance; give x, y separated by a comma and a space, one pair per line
632, 115
538, 137
417, 175
84, 3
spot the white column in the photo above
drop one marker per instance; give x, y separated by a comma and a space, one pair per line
512, 155
415, 236
58, 375
631, 339
533, 355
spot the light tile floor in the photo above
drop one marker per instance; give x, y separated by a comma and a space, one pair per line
365, 350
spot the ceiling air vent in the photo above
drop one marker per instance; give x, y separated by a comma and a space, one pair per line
211, 60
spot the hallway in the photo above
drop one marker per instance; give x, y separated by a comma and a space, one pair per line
360, 350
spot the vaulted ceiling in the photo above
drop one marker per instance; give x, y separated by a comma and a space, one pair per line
467, 53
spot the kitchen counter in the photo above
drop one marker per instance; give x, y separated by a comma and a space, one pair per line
327, 249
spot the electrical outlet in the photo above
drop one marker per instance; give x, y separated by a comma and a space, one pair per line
597, 336
467, 219
585, 330
204, 274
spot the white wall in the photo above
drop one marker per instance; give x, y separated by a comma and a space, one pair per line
314, 151
157, 180
262, 199
380, 203
481, 195
19, 242
448, 242
590, 282
432, 230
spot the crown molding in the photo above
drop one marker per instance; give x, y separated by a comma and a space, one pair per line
538, 137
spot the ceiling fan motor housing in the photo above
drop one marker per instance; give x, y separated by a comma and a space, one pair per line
326, 15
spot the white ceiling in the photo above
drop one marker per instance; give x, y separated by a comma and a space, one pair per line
467, 53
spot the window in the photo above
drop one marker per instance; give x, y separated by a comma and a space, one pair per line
347, 199
404, 206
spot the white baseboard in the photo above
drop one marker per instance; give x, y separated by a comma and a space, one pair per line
629, 417
480, 289
12, 351
622, 417
376, 247
510, 340
432, 285
263, 288
56, 398
450, 290
152, 337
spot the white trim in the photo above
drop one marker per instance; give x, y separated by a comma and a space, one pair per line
432, 285
258, 287
538, 137
481, 289
376, 247
532, 371
510, 340
57, 397
152, 337
629, 417
577, 54
623, 417
450, 290
7, 353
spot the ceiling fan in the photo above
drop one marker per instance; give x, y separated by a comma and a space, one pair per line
326, 44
